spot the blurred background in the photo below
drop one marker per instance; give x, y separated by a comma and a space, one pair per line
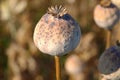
21, 60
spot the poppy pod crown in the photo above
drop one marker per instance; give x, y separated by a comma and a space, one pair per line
57, 11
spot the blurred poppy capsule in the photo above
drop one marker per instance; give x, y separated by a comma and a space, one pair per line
106, 15
57, 33
74, 65
109, 62
116, 2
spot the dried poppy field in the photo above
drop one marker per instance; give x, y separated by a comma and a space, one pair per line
59, 39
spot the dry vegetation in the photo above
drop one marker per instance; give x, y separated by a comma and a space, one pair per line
21, 60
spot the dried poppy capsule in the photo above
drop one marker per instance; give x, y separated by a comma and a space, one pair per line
106, 14
74, 65
57, 33
109, 62
116, 2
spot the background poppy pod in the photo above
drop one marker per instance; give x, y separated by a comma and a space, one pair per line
106, 16
74, 65
57, 33
116, 2
109, 61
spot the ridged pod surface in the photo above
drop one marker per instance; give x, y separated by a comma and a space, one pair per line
109, 61
56, 33
106, 16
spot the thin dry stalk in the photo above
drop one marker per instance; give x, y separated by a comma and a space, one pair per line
57, 66
108, 39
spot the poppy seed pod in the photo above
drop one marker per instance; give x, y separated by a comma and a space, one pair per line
106, 15
109, 62
116, 2
57, 33
74, 65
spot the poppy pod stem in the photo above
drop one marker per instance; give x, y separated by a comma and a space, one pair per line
57, 66
108, 39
